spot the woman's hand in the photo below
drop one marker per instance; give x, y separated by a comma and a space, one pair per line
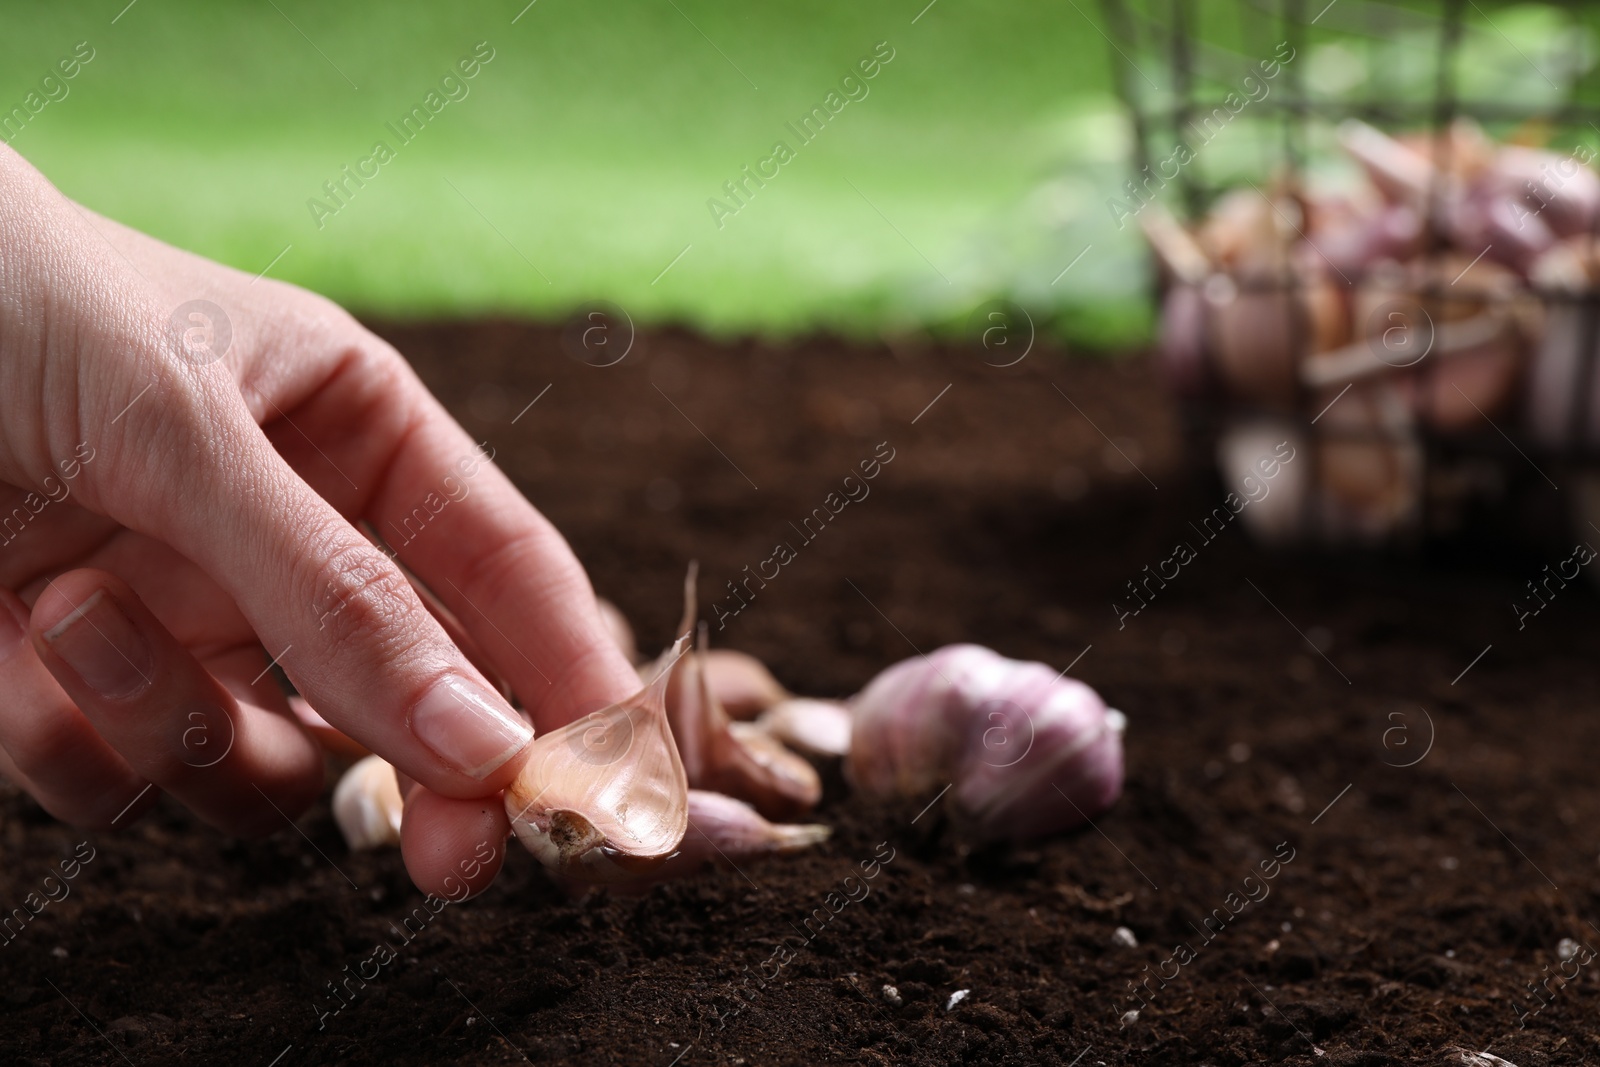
183, 452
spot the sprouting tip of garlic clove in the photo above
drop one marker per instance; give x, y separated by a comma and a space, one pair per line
605, 798
1025, 752
616, 624
367, 805
814, 727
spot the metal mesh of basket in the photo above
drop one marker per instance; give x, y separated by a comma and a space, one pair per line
1375, 229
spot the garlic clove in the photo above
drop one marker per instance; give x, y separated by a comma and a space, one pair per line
1276, 510
616, 624
725, 832
1402, 173
1071, 769
367, 805
900, 735
723, 827
605, 798
1025, 751
779, 783
814, 727
1568, 202
742, 683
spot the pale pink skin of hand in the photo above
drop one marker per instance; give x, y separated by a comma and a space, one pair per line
210, 512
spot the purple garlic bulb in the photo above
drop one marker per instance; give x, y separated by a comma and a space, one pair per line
1026, 752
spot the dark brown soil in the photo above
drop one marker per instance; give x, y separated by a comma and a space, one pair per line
1414, 914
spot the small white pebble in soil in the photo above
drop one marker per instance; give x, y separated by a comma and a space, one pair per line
1286, 927
1449, 863
892, 995
1130, 1017
60, 953
956, 998
472, 1020
1567, 949
1449, 953
1239, 752
1124, 937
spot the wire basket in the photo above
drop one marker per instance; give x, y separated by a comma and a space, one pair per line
1377, 237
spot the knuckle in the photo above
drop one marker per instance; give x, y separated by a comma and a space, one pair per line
505, 570
363, 604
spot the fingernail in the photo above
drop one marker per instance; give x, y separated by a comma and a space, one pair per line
468, 727
102, 647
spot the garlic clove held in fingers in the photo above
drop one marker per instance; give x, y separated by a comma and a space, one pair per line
814, 727
605, 798
749, 765
367, 805
1025, 752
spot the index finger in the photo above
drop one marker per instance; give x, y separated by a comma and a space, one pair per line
460, 524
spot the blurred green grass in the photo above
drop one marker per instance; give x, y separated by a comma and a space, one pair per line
588, 148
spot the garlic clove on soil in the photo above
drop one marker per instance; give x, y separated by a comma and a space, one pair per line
749, 765
1026, 752
605, 798
722, 827
725, 832
367, 805
742, 683
814, 727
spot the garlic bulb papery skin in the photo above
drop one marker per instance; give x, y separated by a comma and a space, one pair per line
1027, 753
605, 798
815, 727
367, 805
755, 769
